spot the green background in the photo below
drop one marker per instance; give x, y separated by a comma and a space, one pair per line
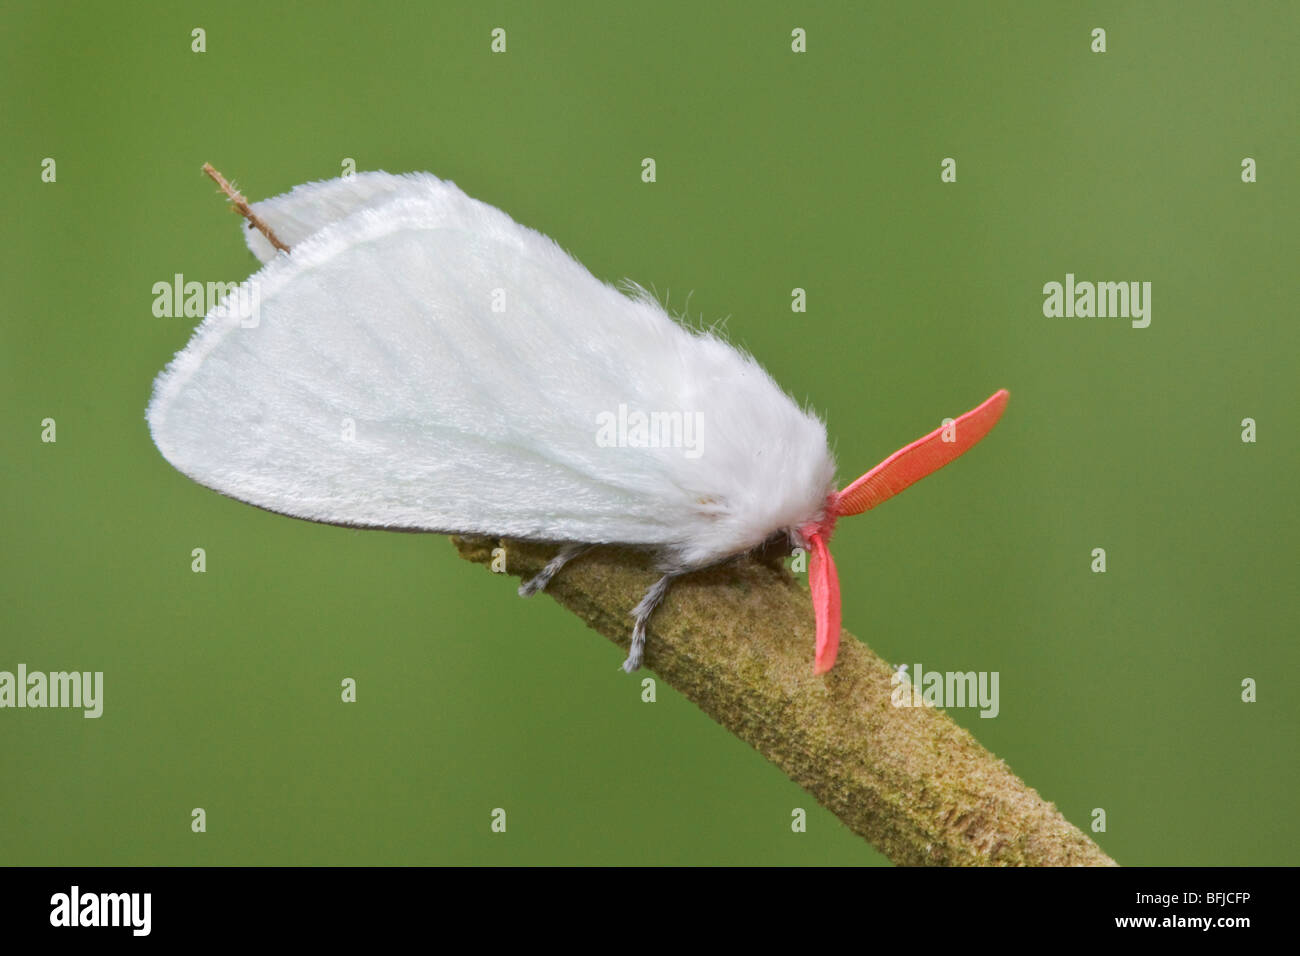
775, 170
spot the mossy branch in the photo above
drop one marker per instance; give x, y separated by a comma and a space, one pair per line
737, 640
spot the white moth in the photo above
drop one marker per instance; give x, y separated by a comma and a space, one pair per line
420, 361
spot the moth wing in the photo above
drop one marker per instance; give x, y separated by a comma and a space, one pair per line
306, 209
426, 363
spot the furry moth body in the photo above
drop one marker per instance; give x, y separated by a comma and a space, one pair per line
475, 359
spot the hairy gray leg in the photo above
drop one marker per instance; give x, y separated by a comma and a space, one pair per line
543, 577
642, 614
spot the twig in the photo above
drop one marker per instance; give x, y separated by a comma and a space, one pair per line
243, 208
738, 641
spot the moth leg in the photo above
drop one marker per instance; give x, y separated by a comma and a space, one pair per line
642, 614
543, 577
